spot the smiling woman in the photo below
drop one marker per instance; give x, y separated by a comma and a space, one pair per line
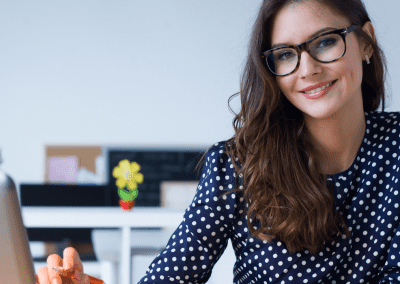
309, 103
307, 188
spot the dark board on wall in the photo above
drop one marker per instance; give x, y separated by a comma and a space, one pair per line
157, 165
55, 195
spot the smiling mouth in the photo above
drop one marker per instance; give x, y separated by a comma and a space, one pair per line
320, 88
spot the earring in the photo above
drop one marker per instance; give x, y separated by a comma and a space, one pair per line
367, 59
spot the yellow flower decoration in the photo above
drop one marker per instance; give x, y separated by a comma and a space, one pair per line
127, 174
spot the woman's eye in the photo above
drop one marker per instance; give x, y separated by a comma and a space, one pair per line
326, 42
286, 55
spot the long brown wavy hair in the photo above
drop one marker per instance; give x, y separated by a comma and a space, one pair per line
272, 151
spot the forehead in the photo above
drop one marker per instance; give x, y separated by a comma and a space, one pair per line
296, 22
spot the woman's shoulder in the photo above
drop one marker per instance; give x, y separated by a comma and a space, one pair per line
382, 117
382, 123
218, 155
220, 148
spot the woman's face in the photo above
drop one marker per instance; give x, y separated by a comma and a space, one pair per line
297, 23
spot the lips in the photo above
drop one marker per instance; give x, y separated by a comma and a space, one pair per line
317, 86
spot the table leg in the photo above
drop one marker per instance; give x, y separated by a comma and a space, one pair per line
125, 268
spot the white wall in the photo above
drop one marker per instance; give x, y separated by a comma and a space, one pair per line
116, 72
384, 16
152, 72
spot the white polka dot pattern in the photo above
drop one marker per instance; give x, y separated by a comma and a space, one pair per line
367, 196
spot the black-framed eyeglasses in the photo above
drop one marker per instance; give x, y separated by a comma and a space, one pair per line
325, 48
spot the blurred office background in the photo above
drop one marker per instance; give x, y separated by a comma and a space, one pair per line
131, 73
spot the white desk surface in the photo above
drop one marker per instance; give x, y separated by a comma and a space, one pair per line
100, 217
104, 217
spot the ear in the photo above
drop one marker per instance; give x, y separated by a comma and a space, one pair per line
365, 47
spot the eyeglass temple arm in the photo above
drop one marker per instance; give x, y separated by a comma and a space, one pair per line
350, 29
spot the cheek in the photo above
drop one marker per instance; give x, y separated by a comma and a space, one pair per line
284, 84
355, 73
358, 73
353, 67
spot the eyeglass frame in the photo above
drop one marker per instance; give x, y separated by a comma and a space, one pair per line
305, 46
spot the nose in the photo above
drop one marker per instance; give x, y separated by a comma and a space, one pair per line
308, 65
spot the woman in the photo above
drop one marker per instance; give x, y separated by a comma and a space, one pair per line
307, 188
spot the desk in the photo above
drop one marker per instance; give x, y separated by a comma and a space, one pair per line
104, 217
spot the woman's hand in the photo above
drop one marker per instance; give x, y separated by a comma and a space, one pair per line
71, 260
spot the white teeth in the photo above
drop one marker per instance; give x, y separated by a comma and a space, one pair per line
319, 89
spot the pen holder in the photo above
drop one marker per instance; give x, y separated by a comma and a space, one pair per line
127, 205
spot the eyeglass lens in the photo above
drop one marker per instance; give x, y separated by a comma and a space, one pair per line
325, 48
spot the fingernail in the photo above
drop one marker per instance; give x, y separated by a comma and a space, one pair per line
57, 268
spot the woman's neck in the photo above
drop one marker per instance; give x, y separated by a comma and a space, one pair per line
338, 139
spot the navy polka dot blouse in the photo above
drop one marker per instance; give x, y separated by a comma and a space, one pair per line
367, 194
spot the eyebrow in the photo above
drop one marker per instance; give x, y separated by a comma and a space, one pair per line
313, 35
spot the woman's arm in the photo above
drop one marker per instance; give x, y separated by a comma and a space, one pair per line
201, 238
390, 272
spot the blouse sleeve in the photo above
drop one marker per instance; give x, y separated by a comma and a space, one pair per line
390, 272
201, 238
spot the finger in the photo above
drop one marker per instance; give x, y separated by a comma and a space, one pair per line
43, 276
52, 261
63, 271
71, 275
74, 275
71, 259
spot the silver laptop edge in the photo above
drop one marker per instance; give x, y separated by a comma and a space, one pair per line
16, 263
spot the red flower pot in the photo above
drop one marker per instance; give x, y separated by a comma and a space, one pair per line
126, 205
